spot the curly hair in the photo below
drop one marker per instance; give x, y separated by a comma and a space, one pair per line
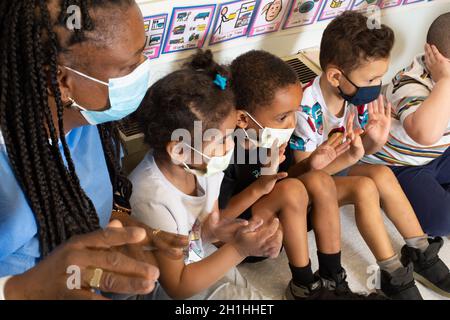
29, 49
183, 97
348, 41
257, 75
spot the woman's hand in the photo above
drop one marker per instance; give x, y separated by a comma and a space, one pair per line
67, 272
172, 245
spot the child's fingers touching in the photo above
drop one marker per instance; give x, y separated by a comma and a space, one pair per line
343, 147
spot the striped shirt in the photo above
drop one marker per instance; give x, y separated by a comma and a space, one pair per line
407, 91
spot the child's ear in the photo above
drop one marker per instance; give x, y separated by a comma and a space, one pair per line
333, 75
175, 151
242, 119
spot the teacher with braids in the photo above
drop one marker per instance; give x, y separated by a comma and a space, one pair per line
68, 71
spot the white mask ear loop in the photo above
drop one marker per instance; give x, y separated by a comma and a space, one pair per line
254, 120
192, 148
76, 105
86, 76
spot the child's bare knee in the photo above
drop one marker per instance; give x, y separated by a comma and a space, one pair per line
382, 175
319, 183
364, 188
293, 192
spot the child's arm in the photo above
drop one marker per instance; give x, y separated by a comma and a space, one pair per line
430, 121
376, 131
320, 158
262, 186
245, 199
350, 153
182, 281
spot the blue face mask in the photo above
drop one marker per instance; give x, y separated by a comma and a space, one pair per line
125, 95
363, 95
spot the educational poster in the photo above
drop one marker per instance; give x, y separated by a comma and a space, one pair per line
154, 32
188, 28
232, 21
332, 8
302, 12
390, 3
268, 16
362, 5
411, 1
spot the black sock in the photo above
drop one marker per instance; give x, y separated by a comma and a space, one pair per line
302, 276
329, 264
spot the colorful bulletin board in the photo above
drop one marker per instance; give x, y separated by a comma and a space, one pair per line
268, 16
189, 27
232, 21
362, 5
332, 8
390, 3
302, 12
154, 32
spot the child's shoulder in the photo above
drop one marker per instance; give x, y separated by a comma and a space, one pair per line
146, 179
311, 93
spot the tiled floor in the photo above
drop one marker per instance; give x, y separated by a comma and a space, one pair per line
272, 276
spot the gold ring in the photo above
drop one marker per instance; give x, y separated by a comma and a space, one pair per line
96, 278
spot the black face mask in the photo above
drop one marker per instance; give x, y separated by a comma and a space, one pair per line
363, 95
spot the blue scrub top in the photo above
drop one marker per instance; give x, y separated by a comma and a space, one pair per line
19, 243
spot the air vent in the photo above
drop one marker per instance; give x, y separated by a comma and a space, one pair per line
304, 73
129, 127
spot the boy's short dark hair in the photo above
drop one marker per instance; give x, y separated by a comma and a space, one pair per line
348, 40
257, 75
439, 34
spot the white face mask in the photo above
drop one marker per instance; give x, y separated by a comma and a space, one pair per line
214, 165
269, 135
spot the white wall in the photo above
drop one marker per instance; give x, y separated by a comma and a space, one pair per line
410, 24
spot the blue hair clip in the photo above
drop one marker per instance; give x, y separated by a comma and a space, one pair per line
221, 81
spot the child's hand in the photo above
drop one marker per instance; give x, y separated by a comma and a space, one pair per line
356, 150
379, 124
327, 152
437, 64
265, 183
257, 240
275, 156
215, 229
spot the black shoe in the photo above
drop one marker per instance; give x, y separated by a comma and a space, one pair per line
400, 284
429, 269
314, 291
339, 289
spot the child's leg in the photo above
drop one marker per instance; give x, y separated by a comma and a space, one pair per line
289, 201
397, 282
363, 194
429, 198
325, 211
393, 200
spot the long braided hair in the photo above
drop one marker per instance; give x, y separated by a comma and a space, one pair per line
29, 48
